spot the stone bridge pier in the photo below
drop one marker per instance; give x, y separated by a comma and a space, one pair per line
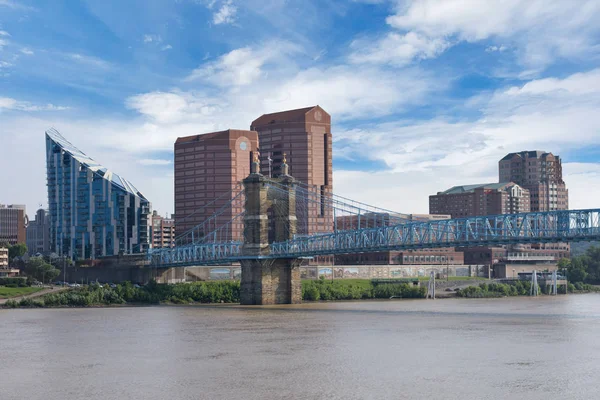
264, 280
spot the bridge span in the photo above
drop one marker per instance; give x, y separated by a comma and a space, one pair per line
270, 247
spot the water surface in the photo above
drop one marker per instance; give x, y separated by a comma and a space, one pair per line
517, 348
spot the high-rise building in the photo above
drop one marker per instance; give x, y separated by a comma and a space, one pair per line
209, 169
13, 220
162, 231
93, 211
541, 174
486, 199
38, 233
304, 135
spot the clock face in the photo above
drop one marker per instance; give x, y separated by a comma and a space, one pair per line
243, 145
318, 115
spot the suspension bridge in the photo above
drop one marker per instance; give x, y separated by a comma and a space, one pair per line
276, 229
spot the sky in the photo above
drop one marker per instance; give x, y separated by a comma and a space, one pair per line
424, 94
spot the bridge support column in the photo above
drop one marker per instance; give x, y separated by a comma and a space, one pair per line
271, 281
265, 280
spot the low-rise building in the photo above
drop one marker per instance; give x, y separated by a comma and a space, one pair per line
162, 232
485, 199
3, 258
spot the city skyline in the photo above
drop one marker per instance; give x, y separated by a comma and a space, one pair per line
420, 102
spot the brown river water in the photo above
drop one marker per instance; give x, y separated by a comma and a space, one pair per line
513, 348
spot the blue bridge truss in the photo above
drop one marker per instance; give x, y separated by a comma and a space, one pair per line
533, 227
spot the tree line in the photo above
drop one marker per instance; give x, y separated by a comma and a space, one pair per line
584, 268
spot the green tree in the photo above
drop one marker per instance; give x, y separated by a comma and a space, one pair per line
576, 271
4, 245
18, 250
592, 264
39, 269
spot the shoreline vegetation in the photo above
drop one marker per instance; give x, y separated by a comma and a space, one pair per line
216, 292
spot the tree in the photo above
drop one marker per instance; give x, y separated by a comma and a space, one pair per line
18, 250
577, 270
592, 261
39, 269
4, 245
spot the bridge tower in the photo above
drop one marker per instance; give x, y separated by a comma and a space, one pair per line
265, 280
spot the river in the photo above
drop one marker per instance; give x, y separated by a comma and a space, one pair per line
512, 348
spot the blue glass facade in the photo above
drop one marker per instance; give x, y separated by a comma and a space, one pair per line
93, 211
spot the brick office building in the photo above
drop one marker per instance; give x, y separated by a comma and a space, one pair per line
305, 136
208, 170
486, 199
540, 173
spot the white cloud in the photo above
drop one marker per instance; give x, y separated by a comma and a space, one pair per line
4, 33
243, 66
150, 38
557, 115
499, 49
89, 60
167, 47
151, 161
8, 103
540, 30
226, 13
14, 5
395, 48
173, 107
26, 51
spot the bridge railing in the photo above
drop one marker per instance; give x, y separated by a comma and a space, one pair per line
535, 227
196, 254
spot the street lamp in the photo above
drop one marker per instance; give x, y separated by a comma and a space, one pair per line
513, 273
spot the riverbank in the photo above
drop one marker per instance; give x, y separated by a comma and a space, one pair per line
228, 292
8, 292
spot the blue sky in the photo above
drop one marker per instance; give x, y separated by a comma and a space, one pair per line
424, 94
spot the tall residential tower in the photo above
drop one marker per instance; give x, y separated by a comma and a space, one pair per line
93, 211
541, 174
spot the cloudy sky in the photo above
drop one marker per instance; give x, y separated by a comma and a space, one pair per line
424, 94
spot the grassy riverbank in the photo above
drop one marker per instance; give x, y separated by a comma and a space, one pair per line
518, 288
356, 289
8, 292
211, 292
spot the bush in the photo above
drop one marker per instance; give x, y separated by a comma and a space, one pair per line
30, 303
17, 282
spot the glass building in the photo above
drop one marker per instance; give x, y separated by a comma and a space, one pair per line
93, 211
